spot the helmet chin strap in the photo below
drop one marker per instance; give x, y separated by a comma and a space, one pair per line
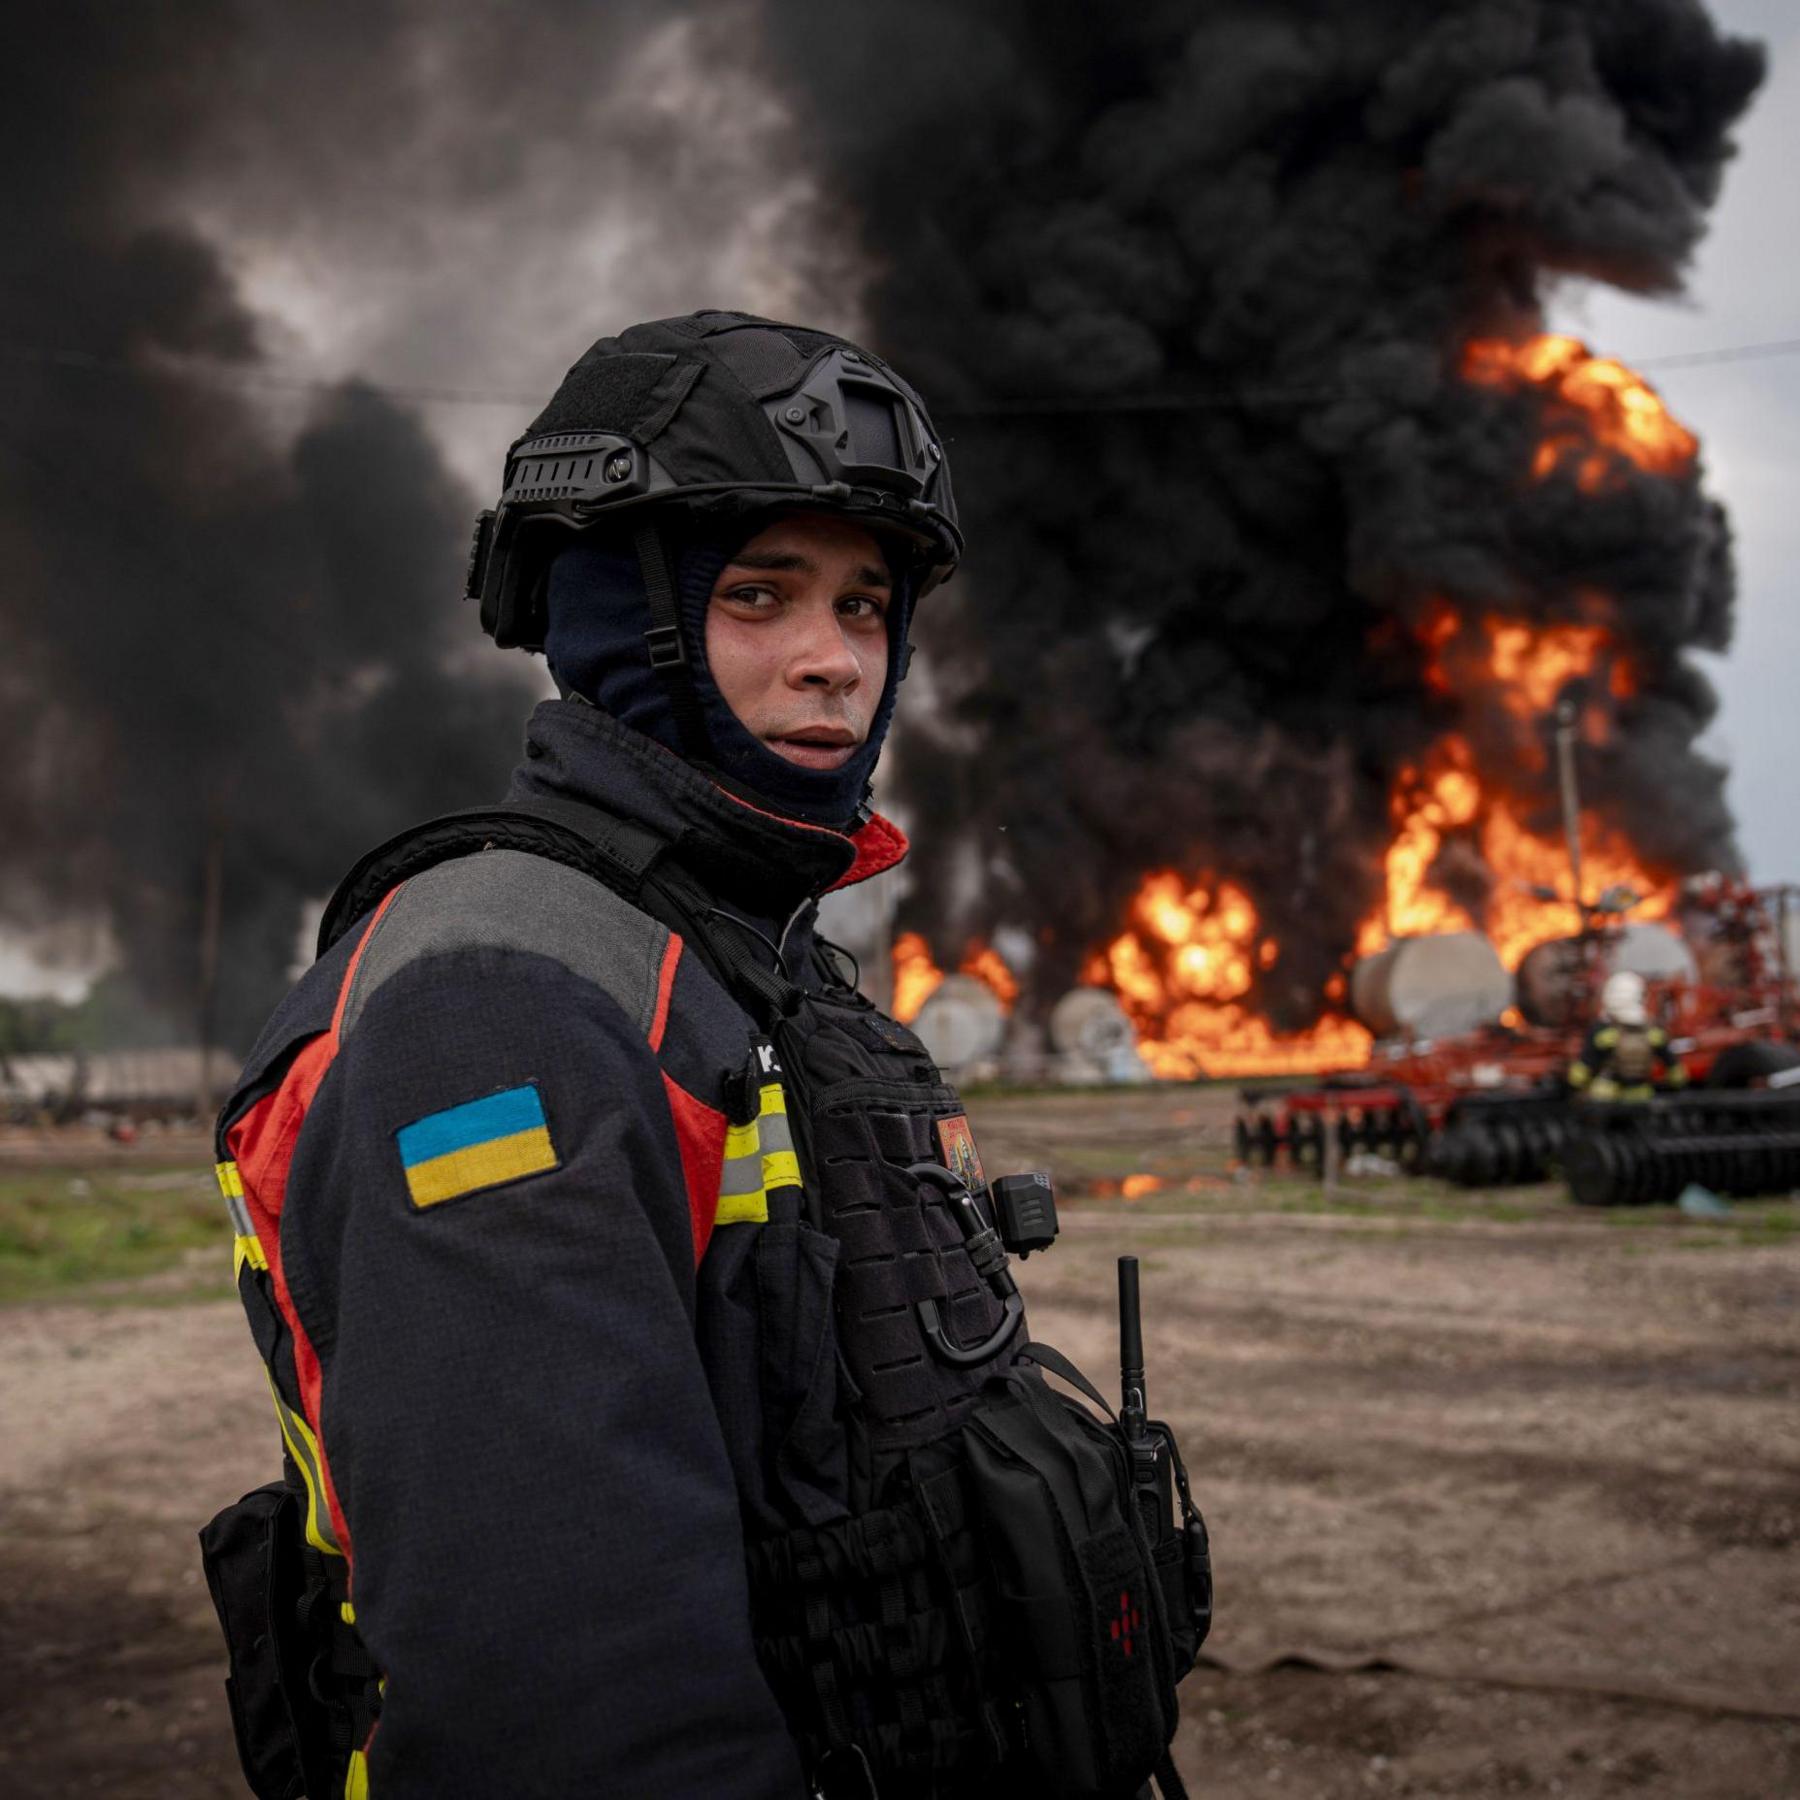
663, 640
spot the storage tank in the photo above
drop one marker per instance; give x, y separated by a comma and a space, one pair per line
1431, 986
961, 1023
1548, 983
1094, 1038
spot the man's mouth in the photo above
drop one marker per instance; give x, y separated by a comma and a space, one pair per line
816, 746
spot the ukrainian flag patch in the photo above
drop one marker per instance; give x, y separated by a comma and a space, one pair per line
479, 1144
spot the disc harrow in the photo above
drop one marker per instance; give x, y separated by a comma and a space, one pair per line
1740, 1144
1294, 1129
1501, 1140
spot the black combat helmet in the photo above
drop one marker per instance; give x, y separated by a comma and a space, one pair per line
723, 413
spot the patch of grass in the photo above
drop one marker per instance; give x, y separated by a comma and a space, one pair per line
1771, 1228
1744, 1229
63, 1230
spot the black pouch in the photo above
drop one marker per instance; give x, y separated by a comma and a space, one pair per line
244, 1550
1080, 1630
253, 1554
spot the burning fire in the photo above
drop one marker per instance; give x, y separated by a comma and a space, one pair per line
1183, 969
917, 976
1185, 966
1446, 801
1522, 668
1597, 409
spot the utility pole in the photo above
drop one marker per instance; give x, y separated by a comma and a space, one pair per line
1571, 801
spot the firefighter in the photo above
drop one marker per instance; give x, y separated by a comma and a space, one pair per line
613, 1331
1626, 1054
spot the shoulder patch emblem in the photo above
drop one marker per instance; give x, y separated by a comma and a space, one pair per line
957, 1142
480, 1144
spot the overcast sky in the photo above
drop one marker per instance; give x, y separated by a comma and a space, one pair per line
1745, 289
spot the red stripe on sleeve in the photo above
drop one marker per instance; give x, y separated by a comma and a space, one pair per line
665, 986
700, 1133
262, 1144
355, 962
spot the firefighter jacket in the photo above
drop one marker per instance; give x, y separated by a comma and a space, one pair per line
507, 1181
1625, 1062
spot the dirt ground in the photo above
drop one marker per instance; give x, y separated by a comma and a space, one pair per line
1504, 1495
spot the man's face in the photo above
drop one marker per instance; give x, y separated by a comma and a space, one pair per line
797, 637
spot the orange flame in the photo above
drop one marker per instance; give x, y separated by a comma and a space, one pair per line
1446, 803
1533, 667
1521, 667
916, 976
1183, 968
988, 966
1597, 410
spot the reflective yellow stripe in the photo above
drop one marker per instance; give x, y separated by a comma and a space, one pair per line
304, 1448
356, 1781
246, 1249
758, 1156
231, 1185
347, 1612
781, 1168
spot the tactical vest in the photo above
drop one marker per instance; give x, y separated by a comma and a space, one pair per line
998, 1593
1634, 1055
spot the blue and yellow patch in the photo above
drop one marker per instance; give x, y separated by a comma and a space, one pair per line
479, 1144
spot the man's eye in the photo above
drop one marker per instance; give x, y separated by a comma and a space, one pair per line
751, 596
862, 606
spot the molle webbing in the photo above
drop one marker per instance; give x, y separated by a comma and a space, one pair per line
898, 1246
874, 1630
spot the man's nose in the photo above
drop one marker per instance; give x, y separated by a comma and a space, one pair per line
821, 655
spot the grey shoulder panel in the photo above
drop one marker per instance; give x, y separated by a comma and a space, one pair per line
511, 900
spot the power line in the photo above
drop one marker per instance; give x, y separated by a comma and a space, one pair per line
253, 379
277, 380
1694, 359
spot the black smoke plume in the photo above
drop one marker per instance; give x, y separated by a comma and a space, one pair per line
1186, 636
1191, 284
230, 608
224, 643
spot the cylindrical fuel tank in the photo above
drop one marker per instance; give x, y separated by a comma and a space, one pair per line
1091, 1022
962, 1023
1430, 986
1548, 983
1094, 1038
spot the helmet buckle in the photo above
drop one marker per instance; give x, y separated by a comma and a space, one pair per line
666, 651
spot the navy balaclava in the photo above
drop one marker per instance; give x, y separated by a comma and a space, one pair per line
598, 614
